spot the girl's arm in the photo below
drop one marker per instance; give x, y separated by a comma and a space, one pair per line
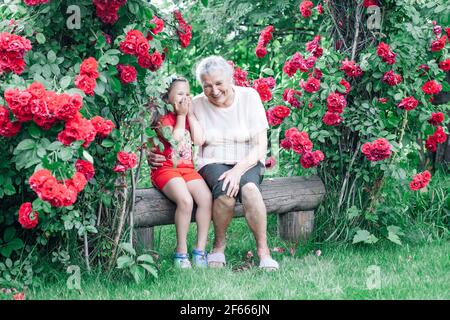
181, 110
178, 130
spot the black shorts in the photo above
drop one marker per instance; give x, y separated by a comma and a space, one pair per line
213, 171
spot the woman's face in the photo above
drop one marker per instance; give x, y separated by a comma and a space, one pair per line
179, 91
217, 87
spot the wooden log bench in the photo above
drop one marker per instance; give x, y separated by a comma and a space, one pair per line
294, 199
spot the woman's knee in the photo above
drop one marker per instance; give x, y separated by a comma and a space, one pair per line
250, 193
225, 202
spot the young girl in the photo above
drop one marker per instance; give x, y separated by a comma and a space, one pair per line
177, 177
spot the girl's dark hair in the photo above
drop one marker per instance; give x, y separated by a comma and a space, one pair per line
165, 96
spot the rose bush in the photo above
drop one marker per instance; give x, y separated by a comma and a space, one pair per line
73, 100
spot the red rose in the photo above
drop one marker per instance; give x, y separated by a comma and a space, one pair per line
86, 84
240, 78
311, 159
286, 144
368, 3
436, 118
305, 8
377, 150
431, 87
439, 135
351, 69
263, 90
300, 142
336, 102
27, 218
445, 64
311, 85
159, 25
86, 168
127, 73
408, 103
89, 68
392, 78
291, 97
347, 86
430, 144
288, 134
384, 51
331, 118
78, 182
281, 111
270, 162
127, 159
420, 180
438, 44
260, 51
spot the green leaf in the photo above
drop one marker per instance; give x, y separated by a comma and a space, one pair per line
268, 71
116, 86
145, 258
16, 244
51, 56
65, 154
138, 273
152, 270
127, 247
91, 229
393, 234
9, 234
88, 157
124, 262
54, 146
65, 82
40, 38
107, 143
26, 144
364, 236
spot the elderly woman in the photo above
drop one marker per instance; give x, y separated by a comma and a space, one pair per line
231, 156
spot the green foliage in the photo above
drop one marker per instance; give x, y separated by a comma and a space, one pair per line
137, 266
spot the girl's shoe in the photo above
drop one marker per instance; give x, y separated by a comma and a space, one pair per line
181, 260
199, 258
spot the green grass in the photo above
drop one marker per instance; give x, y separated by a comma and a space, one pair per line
340, 272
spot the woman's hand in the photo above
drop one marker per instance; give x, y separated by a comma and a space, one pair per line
231, 178
182, 107
155, 160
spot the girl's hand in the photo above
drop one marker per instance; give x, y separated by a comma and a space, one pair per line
182, 107
190, 106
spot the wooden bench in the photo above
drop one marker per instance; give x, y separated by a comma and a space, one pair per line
294, 199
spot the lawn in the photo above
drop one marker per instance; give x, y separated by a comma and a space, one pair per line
419, 271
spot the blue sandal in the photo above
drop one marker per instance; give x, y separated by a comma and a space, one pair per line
181, 261
199, 258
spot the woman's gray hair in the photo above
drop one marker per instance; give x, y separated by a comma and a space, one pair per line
212, 64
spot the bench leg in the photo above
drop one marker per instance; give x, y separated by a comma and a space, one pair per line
144, 237
295, 226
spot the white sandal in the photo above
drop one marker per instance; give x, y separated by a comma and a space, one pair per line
216, 258
267, 263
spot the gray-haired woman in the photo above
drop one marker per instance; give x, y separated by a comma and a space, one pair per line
232, 153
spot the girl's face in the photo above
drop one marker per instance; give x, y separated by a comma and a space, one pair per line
179, 91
